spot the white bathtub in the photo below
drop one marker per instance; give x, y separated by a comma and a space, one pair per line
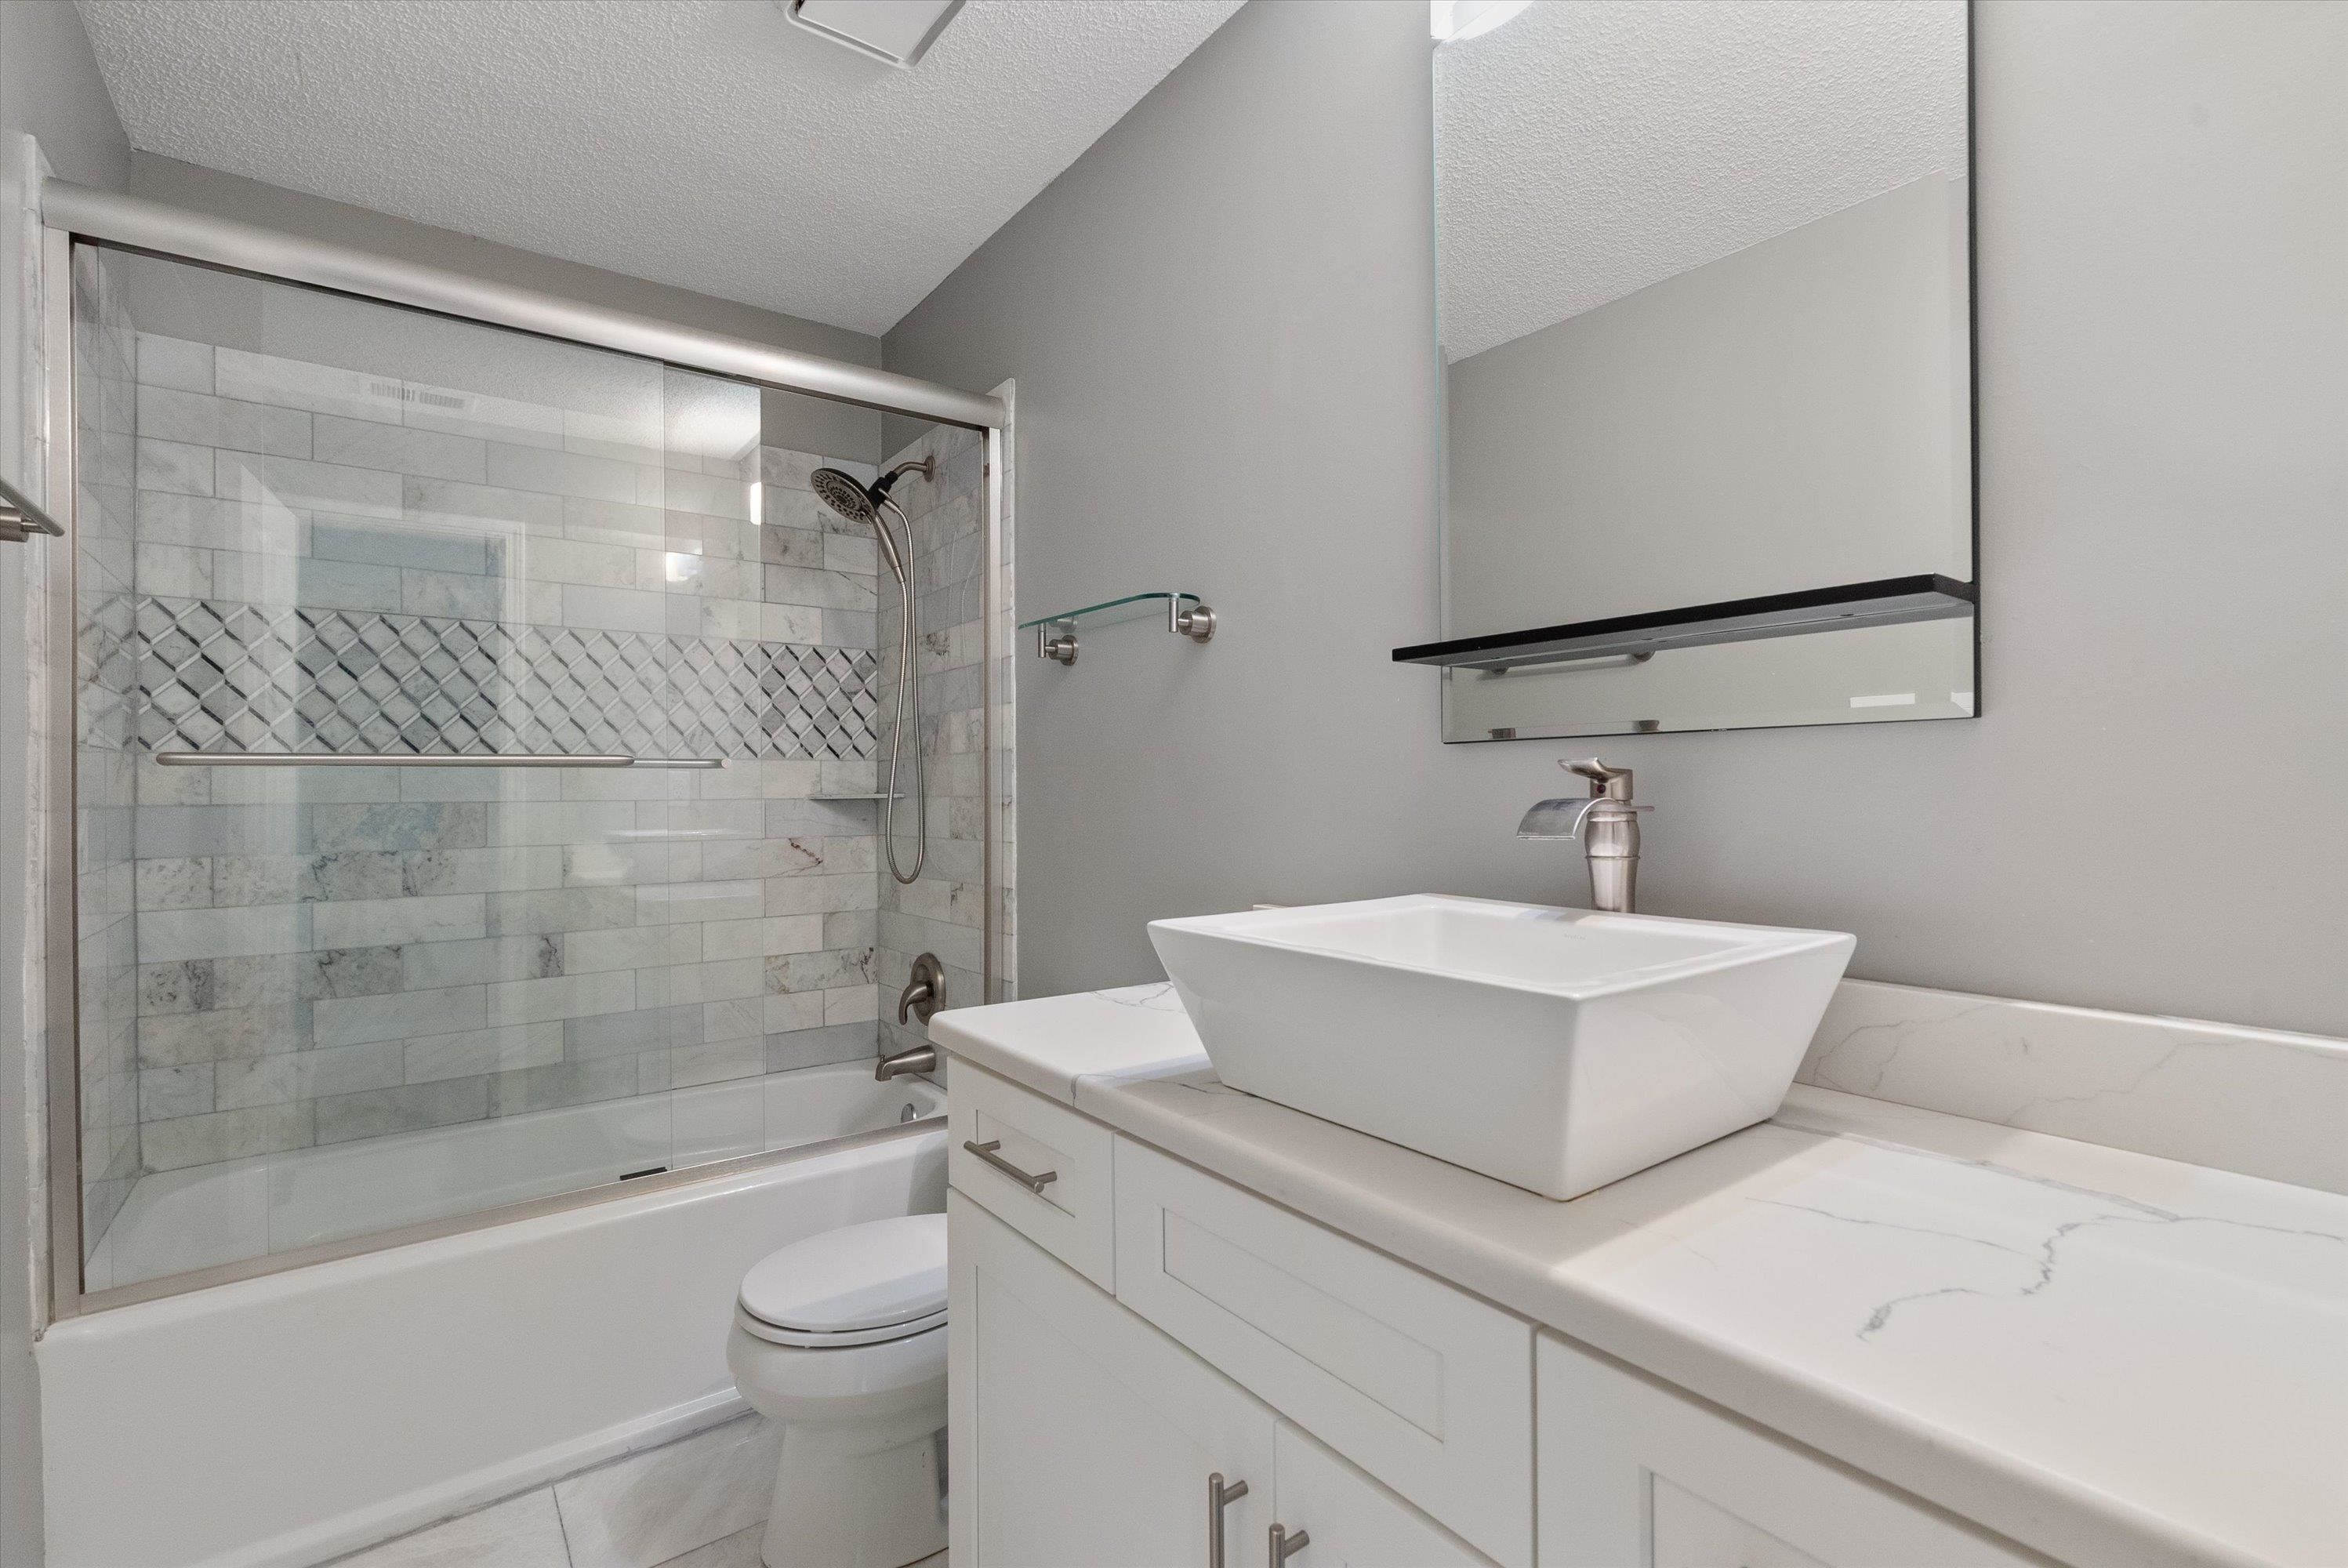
285, 1418
178, 1221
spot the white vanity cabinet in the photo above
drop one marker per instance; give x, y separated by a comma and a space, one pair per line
1393, 1419
1637, 1475
1082, 1437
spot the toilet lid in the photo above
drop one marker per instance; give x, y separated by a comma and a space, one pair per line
858, 1277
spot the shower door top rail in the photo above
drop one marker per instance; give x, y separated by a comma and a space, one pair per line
116, 218
423, 760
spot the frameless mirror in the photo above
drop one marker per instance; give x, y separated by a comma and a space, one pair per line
1705, 306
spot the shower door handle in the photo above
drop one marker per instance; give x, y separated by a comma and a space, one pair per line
20, 519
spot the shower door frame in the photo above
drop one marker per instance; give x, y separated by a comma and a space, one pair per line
72, 214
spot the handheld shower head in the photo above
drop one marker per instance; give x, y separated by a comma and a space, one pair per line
844, 494
856, 502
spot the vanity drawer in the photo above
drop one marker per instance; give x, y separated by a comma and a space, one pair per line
1425, 1388
1069, 1216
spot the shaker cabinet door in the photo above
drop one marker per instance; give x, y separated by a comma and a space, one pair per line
1633, 1474
1350, 1520
1079, 1436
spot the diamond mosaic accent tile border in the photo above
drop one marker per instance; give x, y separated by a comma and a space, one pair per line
216, 676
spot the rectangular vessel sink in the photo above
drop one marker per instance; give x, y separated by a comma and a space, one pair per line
1557, 1049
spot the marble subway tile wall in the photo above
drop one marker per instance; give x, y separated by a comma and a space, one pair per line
105, 419
332, 954
943, 911
821, 998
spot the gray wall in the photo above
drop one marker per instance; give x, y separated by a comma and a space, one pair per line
1219, 322
49, 87
803, 423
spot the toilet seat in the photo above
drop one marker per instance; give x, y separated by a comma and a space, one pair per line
860, 1285
809, 1339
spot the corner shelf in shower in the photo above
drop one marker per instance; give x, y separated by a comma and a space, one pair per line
1187, 615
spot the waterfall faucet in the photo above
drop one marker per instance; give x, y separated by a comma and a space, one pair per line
1607, 822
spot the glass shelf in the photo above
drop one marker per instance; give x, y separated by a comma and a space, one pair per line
1893, 601
1185, 615
1132, 607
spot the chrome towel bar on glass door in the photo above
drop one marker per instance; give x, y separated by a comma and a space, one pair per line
20, 518
417, 759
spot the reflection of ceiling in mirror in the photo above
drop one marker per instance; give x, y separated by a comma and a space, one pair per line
1590, 147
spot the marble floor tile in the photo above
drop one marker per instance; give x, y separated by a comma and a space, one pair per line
739, 1549
643, 1511
524, 1531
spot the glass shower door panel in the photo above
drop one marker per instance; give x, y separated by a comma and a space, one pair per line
326, 1002
773, 601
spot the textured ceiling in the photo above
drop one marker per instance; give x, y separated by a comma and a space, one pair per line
705, 143
1590, 147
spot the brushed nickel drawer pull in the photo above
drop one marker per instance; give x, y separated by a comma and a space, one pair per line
986, 1151
1285, 1546
1220, 1495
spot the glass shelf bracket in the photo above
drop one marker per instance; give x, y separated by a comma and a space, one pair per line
1187, 615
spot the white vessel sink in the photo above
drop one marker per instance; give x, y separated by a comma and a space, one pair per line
1557, 1049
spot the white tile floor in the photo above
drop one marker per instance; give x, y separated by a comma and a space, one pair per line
698, 1502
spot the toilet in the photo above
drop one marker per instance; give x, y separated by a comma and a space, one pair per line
840, 1341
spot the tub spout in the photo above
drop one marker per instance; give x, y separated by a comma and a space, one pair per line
919, 1060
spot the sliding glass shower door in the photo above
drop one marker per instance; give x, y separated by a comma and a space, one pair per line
409, 884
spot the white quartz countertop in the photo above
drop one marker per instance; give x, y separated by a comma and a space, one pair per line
2117, 1359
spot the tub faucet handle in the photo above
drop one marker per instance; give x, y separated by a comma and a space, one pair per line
926, 991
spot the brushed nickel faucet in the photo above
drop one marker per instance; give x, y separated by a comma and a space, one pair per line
918, 1059
1607, 824
924, 994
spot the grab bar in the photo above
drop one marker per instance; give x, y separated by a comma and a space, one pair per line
19, 516
415, 759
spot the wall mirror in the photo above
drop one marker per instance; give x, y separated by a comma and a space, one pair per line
1705, 302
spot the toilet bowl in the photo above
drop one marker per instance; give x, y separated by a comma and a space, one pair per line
840, 1341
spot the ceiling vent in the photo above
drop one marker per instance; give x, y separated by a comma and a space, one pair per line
897, 31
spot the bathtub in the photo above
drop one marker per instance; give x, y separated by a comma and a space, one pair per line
285, 1418
174, 1222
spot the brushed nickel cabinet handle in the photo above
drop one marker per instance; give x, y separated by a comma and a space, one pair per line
986, 1151
1285, 1546
1220, 1495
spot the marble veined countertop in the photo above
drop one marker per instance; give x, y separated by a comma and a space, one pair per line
2119, 1360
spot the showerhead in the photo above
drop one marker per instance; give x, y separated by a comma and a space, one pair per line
859, 502
844, 495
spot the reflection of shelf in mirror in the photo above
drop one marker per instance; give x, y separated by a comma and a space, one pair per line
1187, 615
1888, 602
